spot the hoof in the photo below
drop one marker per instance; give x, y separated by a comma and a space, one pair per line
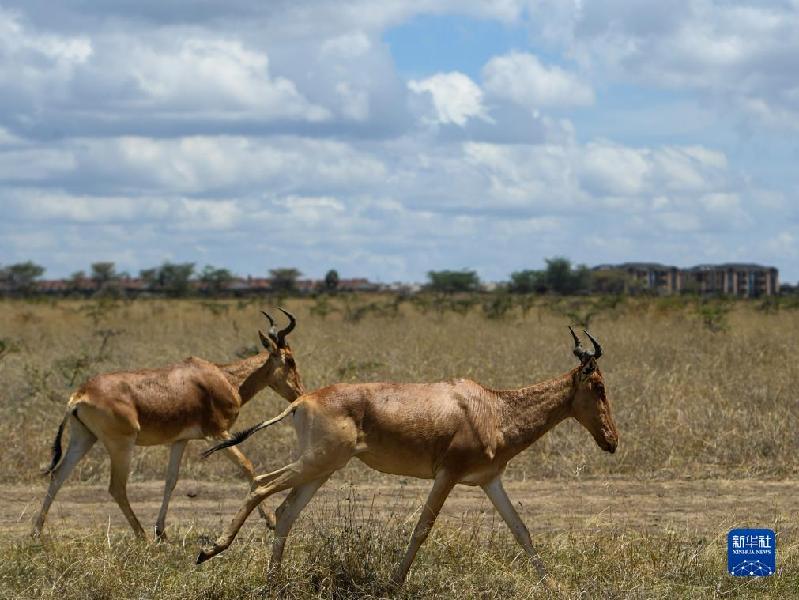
206, 554
161, 537
269, 517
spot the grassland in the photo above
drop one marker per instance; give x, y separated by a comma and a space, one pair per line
700, 392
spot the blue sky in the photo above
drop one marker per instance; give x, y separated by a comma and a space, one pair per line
388, 139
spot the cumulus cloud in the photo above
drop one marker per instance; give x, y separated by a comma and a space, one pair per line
217, 76
455, 97
737, 55
522, 78
255, 135
192, 165
180, 80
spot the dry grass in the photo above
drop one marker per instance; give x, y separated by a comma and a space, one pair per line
352, 557
689, 402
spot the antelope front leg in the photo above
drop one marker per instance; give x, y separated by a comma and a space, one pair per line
442, 486
121, 451
172, 471
247, 469
499, 498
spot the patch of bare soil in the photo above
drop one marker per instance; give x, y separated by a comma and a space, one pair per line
696, 506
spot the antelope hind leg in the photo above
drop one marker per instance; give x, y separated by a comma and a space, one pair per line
80, 442
237, 457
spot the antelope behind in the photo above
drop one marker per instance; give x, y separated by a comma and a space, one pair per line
194, 399
452, 432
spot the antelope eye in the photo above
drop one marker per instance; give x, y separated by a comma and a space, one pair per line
290, 363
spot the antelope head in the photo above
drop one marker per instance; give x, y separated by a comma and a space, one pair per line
590, 405
281, 368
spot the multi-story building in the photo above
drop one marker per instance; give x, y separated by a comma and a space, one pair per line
650, 276
746, 280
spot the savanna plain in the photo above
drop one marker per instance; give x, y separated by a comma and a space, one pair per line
703, 392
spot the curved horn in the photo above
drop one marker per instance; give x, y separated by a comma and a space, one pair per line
597, 348
578, 350
281, 335
272, 329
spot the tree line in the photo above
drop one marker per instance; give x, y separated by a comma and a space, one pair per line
559, 277
170, 279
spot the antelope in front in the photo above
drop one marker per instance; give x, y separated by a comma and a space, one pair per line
453, 432
194, 399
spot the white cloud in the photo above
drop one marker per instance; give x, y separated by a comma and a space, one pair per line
43, 205
737, 56
60, 49
208, 214
785, 245
347, 46
607, 168
456, 98
33, 163
37, 64
201, 164
523, 79
216, 75
311, 210
256, 135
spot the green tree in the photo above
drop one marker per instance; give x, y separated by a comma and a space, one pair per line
215, 280
78, 281
171, 278
21, 277
103, 273
150, 277
106, 278
528, 282
610, 281
562, 279
174, 278
453, 281
284, 280
331, 280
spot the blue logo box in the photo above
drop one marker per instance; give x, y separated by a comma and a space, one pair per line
751, 552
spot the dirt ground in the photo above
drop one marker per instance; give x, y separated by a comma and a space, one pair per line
705, 507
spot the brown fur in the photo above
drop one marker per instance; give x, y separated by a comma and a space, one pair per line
193, 399
453, 432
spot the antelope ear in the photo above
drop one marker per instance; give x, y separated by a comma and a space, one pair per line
267, 342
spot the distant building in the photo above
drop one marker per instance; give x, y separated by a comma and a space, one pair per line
746, 280
359, 284
650, 276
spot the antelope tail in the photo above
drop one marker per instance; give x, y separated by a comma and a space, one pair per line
240, 436
56, 448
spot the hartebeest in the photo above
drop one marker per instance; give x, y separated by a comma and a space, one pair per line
194, 399
453, 432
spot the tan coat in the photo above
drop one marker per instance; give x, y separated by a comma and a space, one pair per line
451, 432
